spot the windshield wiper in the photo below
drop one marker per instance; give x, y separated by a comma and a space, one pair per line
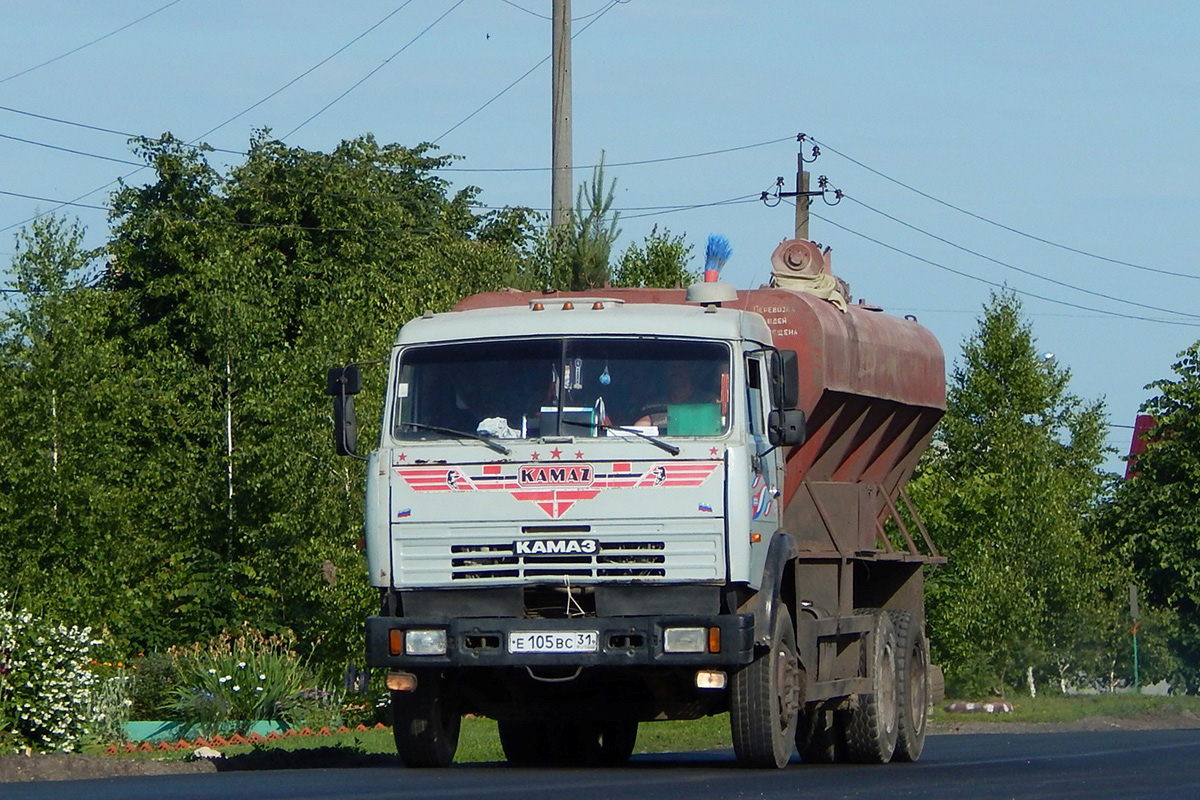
492, 443
654, 440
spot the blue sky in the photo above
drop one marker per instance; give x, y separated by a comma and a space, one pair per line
1072, 122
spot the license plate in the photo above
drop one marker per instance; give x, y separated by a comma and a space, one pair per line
541, 642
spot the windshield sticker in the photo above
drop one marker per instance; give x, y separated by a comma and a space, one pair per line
555, 488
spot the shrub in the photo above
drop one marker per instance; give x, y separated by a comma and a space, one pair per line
47, 693
153, 679
316, 709
235, 679
112, 704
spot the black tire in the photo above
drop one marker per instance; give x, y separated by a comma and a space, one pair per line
817, 737
765, 700
524, 743
912, 685
617, 740
873, 719
568, 744
425, 723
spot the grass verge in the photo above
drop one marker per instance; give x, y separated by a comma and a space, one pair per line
1073, 708
479, 741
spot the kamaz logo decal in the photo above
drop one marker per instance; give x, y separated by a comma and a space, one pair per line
546, 547
575, 475
556, 487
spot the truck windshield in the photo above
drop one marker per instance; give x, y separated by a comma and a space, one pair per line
525, 389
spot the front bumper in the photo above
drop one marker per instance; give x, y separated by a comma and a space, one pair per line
622, 641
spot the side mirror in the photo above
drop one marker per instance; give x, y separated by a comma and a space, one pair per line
789, 378
786, 428
342, 383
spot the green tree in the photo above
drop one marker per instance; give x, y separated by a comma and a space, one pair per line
1008, 487
660, 261
240, 290
1154, 518
576, 256
167, 462
72, 542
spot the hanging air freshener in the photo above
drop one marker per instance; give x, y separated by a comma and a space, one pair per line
578, 384
605, 378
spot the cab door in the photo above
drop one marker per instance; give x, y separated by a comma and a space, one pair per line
766, 475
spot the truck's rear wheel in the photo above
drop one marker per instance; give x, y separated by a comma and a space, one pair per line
425, 723
873, 721
912, 673
765, 700
816, 736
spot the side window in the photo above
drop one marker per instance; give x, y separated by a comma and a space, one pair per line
754, 396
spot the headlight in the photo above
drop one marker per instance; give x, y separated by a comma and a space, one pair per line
685, 640
425, 643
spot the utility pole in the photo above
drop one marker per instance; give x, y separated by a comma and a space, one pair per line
773, 196
802, 198
560, 181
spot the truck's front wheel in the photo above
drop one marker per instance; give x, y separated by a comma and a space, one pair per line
425, 723
765, 700
583, 743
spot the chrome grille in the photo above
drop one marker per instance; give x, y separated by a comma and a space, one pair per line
613, 560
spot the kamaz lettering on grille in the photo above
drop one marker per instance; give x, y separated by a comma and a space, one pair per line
555, 475
546, 547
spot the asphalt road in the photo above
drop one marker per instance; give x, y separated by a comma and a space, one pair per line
1126, 764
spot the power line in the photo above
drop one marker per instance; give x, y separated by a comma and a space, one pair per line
69, 150
84, 125
241, 113
543, 16
1001, 286
89, 44
635, 163
600, 14
749, 198
654, 211
626, 163
311, 69
386, 61
1015, 268
51, 200
1001, 225
193, 141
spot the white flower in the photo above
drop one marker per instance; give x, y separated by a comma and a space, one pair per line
241, 665
262, 677
237, 688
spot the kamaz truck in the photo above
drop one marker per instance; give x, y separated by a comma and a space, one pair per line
591, 510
